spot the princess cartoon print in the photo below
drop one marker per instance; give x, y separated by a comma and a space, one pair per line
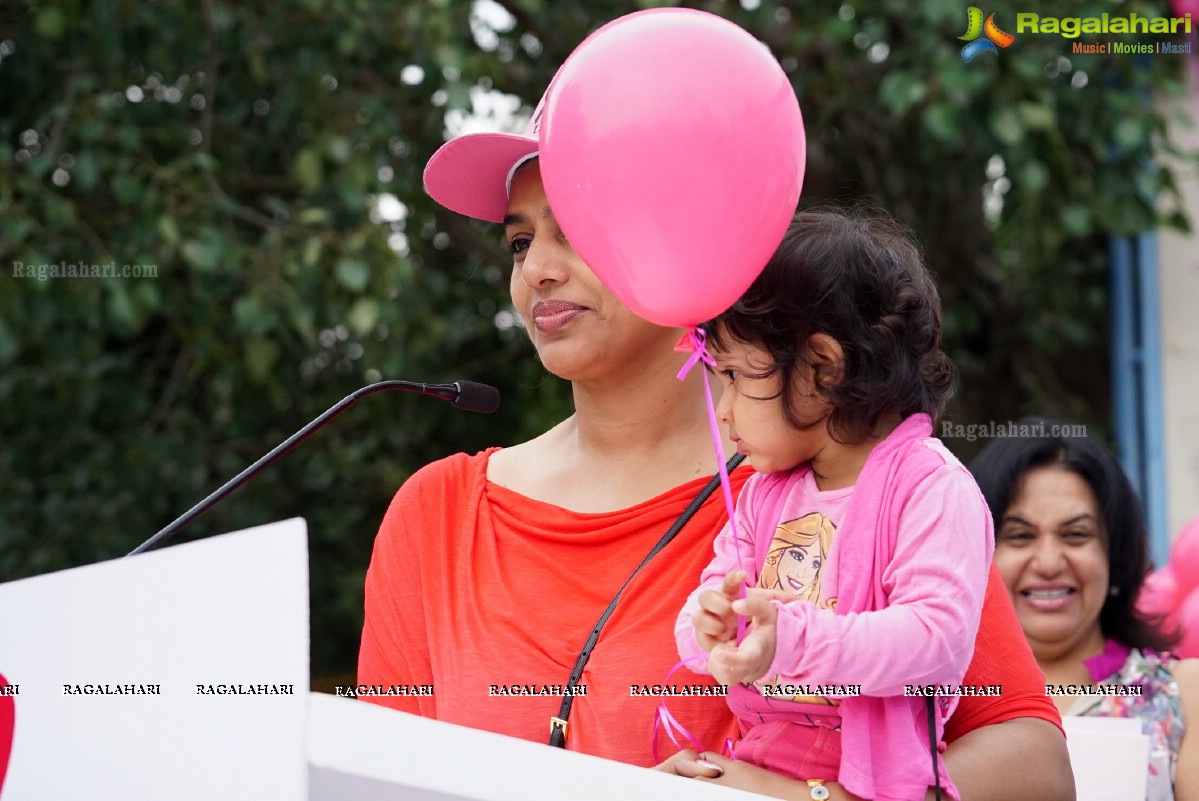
798, 552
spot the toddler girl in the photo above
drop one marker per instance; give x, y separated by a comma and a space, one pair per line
866, 544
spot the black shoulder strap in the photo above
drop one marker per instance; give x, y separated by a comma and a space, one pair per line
558, 724
932, 738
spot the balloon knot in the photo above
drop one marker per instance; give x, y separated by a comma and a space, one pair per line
694, 341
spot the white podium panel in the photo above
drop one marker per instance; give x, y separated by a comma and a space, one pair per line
1109, 756
177, 674
365, 752
182, 675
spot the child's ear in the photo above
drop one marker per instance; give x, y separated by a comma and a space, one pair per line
827, 358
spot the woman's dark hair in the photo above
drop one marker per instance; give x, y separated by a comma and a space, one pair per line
1001, 465
857, 276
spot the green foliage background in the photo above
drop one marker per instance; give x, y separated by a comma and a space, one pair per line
240, 148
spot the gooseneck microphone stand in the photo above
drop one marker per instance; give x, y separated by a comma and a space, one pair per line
465, 395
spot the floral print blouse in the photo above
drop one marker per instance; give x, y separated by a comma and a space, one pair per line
1158, 706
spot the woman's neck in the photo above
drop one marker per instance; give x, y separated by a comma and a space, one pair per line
652, 418
1066, 666
1065, 663
631, 438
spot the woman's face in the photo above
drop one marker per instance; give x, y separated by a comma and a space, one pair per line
579, 328
1051, 551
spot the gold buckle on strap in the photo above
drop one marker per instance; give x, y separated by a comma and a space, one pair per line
558, 723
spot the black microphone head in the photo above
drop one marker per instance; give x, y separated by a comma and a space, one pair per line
474, 397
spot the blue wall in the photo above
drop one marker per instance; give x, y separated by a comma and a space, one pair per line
1137, 379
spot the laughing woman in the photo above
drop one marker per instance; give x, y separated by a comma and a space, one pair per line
1072, 547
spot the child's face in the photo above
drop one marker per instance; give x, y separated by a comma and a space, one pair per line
753, 410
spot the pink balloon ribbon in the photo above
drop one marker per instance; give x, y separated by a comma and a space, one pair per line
665, 720
694, 341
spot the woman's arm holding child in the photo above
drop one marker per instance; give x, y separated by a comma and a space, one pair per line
980, 762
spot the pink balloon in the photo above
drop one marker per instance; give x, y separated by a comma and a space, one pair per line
1184, 557
672, 150
1187, 621
1159, 594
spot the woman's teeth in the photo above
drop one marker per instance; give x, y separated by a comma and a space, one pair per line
1059, 593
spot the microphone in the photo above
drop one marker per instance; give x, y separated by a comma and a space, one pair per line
465, 395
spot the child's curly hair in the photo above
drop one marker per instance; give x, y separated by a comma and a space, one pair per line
857, 276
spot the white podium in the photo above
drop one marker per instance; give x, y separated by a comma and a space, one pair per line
182, 675
1110, 758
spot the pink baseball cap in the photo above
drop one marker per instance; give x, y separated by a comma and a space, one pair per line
472, 174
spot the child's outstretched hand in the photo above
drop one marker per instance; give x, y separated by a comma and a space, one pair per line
749, 661
716, 622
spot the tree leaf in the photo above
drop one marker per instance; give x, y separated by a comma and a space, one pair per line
352, 274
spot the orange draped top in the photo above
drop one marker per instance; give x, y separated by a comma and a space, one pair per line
489, 596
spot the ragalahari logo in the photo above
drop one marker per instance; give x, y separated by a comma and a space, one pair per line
982, 37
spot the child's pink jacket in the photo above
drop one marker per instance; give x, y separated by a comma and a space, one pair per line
911, 570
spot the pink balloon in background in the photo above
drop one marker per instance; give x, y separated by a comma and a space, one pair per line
1159, 594
1184, 7
8, 722
1187, 621
1184, 557
672, 150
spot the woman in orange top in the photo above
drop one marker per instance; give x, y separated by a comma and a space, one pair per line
490, 571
